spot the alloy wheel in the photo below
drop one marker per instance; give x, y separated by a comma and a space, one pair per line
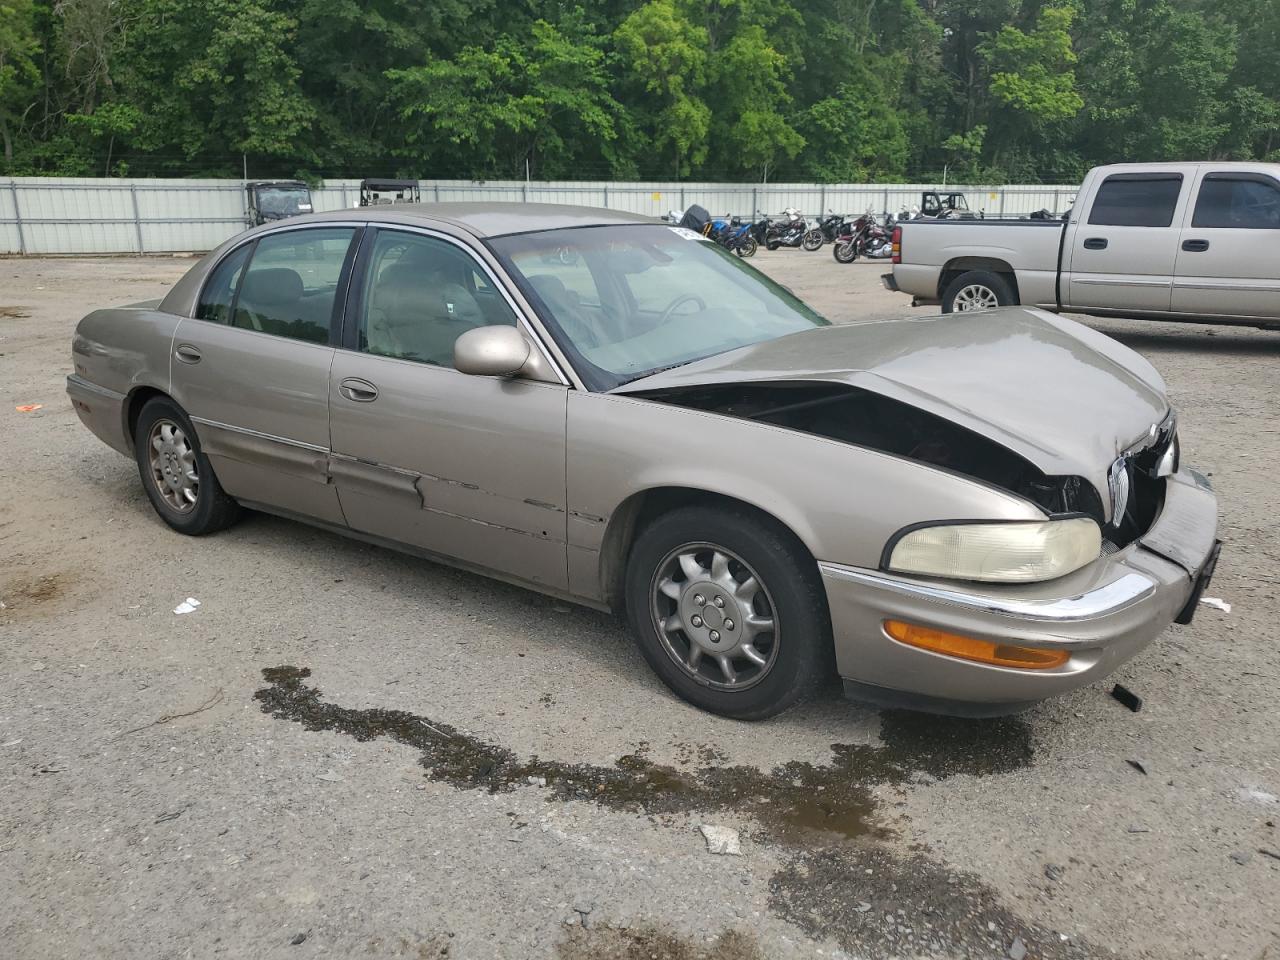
173, 466
976, 297
714, 616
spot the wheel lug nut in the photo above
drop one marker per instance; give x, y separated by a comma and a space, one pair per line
696, 621
699, 599
728, 624
715, 636
719, 601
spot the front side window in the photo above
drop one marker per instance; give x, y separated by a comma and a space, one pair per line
421, 294
627, 301
1127, 200
219, 291
1241, 202
291, 283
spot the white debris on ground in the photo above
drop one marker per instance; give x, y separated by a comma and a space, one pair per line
1216, 604
187, 606
721, 840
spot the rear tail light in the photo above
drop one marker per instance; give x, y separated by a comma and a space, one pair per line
896, 240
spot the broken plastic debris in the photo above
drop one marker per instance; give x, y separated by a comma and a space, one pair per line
1216, 603
29, 407
1127, 697
187, 606
1138, 765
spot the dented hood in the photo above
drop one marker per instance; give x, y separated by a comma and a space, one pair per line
1060, 394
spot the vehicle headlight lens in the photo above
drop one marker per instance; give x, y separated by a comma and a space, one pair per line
999, 552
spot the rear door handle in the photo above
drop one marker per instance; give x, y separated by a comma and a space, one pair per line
187, 353
361, 391
1096, 243
1195, 246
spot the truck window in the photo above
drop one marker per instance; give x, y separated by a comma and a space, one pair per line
1242, 201
1136, 200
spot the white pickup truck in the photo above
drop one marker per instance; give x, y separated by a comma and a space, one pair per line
1168, 241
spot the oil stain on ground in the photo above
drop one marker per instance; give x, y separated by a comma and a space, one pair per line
30, 595
841, 882
644, 943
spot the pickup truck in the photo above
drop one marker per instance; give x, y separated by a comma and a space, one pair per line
1164, 241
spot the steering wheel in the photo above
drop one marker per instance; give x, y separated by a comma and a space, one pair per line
679, 301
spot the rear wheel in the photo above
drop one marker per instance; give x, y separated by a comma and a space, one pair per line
977, 290
728, 609
176, 474
747, 248
813, 240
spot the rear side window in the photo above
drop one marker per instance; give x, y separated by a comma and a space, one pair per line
292, 281
1239, 201
220, 290
1127, 200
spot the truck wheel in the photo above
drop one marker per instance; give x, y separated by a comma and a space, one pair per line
977, 290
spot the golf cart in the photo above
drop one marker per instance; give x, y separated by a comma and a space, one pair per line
275, 200
945, 206
374, 192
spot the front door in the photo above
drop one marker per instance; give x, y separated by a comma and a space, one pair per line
1229, 257
251, 369
471, 468
1123, 257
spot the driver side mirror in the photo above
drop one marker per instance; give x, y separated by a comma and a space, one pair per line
496, 351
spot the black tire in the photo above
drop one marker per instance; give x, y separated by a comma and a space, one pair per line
771, 245
846, 252
813, 240
800, 653
993, 283
212, 509
747, 248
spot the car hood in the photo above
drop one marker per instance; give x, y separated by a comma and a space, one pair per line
1060, 394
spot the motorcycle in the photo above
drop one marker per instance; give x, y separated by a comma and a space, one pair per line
786, 233
864, 237
826, 231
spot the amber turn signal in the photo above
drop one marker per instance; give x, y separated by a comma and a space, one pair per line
971, 648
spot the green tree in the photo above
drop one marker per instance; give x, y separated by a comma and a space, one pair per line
19, 77
496, 108
664, 56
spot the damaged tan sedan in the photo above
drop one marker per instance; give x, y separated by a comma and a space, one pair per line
962, 514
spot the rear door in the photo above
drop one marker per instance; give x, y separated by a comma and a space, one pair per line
251, 369
1229, 255
1122, 253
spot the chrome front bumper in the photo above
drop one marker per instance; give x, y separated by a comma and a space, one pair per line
1103, 615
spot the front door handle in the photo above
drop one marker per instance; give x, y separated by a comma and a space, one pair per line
361, 391
187, 353
1096, 243
1195, 246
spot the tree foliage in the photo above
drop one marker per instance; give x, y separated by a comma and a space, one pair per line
827, 90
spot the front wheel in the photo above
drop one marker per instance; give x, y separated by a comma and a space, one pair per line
844, 251
727, 608
977, 290
813, 240
176, 474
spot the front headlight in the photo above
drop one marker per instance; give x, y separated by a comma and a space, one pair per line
1000, 552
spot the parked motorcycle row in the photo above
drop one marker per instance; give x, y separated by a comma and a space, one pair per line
851, 237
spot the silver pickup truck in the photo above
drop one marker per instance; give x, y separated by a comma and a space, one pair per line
1168, 241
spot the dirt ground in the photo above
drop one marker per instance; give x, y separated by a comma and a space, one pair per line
347, 752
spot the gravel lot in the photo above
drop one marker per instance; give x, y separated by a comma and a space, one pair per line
470, 770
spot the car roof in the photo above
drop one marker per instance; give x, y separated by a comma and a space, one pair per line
487, 219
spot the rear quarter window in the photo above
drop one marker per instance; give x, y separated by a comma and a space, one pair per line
1128, 200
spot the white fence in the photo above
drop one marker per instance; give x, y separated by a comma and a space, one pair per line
43, 215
